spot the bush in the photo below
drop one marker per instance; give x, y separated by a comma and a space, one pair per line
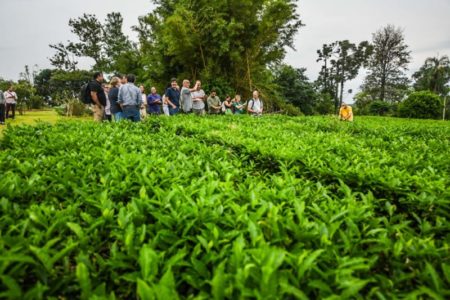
73, 107
421, 105
36, 102
380, 108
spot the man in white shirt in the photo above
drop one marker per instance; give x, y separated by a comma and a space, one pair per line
255, 105
11, 101
198, 99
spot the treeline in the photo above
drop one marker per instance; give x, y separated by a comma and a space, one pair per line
238, 46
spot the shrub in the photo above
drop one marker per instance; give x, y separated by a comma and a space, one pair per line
73, 107
421, 105
36, 102
380, 108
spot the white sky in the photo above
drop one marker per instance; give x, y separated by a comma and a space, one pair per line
29, 26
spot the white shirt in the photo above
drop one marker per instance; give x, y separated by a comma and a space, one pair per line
256, 104
10, 97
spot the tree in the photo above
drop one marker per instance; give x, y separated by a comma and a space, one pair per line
421, 105
386, 79
342, 62
63, 59
104, 43
230, 42
295, 87
434, 75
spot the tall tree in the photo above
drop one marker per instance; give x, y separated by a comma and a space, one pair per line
434, 75
105, 43
386, 79
342, 62
219, 41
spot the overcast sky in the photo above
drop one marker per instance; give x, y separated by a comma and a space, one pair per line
29, 26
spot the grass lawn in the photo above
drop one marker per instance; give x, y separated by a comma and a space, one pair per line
35, 116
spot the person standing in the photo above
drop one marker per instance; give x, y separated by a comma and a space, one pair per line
346, 113
186, 97
214, 104
143, 110
108, 117
130, 99
239, 107
98, 96
173, 97
154, 102
11, 102
2, 108
255, 105
198, 99
113, 96
228, 105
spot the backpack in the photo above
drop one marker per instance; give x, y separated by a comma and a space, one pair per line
85, 94
253, 103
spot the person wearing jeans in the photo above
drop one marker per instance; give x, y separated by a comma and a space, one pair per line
130, 99
173, 97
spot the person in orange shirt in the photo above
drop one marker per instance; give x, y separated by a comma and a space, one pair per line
346, 113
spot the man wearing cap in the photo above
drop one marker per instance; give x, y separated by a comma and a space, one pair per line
173, 97
346, 113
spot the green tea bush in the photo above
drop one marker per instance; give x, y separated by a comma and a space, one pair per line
226, 208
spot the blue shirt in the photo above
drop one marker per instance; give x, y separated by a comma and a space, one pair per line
174, 96
130, 95
152, 106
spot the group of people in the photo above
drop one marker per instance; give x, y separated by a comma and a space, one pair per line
122, 99
8, 101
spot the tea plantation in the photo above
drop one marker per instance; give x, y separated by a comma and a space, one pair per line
226, 208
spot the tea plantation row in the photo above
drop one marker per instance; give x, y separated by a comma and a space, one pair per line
226, 208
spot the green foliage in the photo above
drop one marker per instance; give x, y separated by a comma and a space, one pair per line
209, 40
294, 86
73, 107
342, 61
434, 75
380, 108
387, 80
105, 43
421, 105
227, 208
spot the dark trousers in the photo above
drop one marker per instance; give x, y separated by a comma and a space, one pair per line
12, 107
2, 113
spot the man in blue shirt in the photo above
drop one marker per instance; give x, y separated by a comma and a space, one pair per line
153, 103
173, 96
130, 99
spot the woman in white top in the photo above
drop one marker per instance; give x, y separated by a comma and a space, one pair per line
144, 103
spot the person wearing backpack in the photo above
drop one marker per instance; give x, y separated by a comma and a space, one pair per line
255, 105
2, 108
98, 96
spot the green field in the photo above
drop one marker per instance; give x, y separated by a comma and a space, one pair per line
226, 208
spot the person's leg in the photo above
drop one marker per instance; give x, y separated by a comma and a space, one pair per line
118, 116
98, 113
8, 107
2, 113
136, 115
13, 109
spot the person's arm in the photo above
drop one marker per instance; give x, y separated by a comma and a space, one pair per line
168, 100
120, 97
94, 97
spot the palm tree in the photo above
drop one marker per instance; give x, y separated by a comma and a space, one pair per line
433, 75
